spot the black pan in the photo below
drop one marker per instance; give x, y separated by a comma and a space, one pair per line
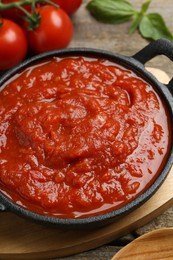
136, 64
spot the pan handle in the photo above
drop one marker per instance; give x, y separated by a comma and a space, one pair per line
158, 47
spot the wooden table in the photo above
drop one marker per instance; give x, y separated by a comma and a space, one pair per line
90, 33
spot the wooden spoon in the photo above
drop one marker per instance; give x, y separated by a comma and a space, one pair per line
157, 244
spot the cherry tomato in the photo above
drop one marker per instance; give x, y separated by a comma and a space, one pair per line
14, 14
70, 6
13, 44
55, 30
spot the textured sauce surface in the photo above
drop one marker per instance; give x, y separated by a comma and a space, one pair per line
79, 136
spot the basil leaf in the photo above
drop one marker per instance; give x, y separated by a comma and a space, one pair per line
111, 11
138, 16
153, 26
136, 21
145, 6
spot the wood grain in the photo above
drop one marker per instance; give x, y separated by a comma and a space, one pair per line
154, 245
21, 239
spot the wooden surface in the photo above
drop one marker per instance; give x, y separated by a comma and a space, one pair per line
156, 244
33, 241
90, 33
21, 239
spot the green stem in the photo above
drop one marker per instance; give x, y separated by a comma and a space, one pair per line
17, 4
51, 3
33, 18
23, 3
1, 22
24, 11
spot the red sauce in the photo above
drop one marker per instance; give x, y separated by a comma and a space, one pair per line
79, 136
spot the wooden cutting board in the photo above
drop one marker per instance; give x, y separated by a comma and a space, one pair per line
22, 239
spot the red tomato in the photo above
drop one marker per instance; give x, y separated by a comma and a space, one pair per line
13, 44
70, 6
14, 14
54, 31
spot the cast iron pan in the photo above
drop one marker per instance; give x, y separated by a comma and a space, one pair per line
136, 64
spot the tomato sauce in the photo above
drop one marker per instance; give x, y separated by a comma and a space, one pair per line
79, 137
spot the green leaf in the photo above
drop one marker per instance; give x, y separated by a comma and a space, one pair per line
136, 21
111, 11
138, 16
153, 26
145, 6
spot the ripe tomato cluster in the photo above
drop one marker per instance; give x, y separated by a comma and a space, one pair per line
54, 30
